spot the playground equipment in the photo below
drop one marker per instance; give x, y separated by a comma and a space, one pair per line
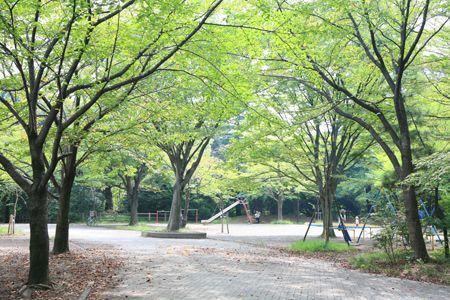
432, 227
222, 212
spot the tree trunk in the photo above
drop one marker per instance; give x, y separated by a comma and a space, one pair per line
280, 201
39, 242
133, 201
409, 195
175, 209
440, 214
446, 252
327, 199
5, 209
186, 208
327, 217
414, 226
61, 244
107, 192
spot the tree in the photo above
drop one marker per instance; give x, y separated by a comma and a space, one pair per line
366, 51
132, 185
400, 47
50, 59
182, 125
294, 136
432, 177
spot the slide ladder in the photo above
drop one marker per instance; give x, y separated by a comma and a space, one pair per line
247, 212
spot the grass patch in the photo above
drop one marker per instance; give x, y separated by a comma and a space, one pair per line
285, 222
318, 246
437, 271
145, 227
113, 218
4, 231
139, 227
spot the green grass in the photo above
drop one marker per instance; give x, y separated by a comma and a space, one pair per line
318, 246
369, 261
113, 218
4, 231
282, 222
139, 227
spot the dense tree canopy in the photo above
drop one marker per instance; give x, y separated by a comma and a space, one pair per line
286, 99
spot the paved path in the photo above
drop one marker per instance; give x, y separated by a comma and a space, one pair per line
223, 267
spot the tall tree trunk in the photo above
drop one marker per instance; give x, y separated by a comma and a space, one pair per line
409, 194
280, 201
186, 208
5, 208
446, 252
133, 201
132, 187
39, 242
38, 212
109, 204
61, 244
327, 200
414, 226
440, 214
175, 209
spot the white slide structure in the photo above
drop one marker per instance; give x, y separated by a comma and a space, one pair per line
221, 212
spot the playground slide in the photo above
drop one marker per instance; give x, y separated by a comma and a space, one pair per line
221, 212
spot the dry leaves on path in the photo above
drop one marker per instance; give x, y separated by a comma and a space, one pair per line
70, 273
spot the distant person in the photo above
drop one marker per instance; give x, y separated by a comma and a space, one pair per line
357, 221
257, 216
343, 214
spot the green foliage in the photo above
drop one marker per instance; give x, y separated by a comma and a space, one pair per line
318, 246
380, 262
387, 240
390, 216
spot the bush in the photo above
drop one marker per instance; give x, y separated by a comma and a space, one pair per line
437, 270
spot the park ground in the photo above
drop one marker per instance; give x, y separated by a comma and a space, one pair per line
247, 263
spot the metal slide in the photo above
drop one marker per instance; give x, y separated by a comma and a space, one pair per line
221, 212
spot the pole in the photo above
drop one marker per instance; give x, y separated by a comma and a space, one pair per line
311, 220
309, 225
221, 210
196, 216
365, 223
433, 228
156, 217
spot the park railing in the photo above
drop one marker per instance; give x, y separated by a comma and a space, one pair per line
163, 215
